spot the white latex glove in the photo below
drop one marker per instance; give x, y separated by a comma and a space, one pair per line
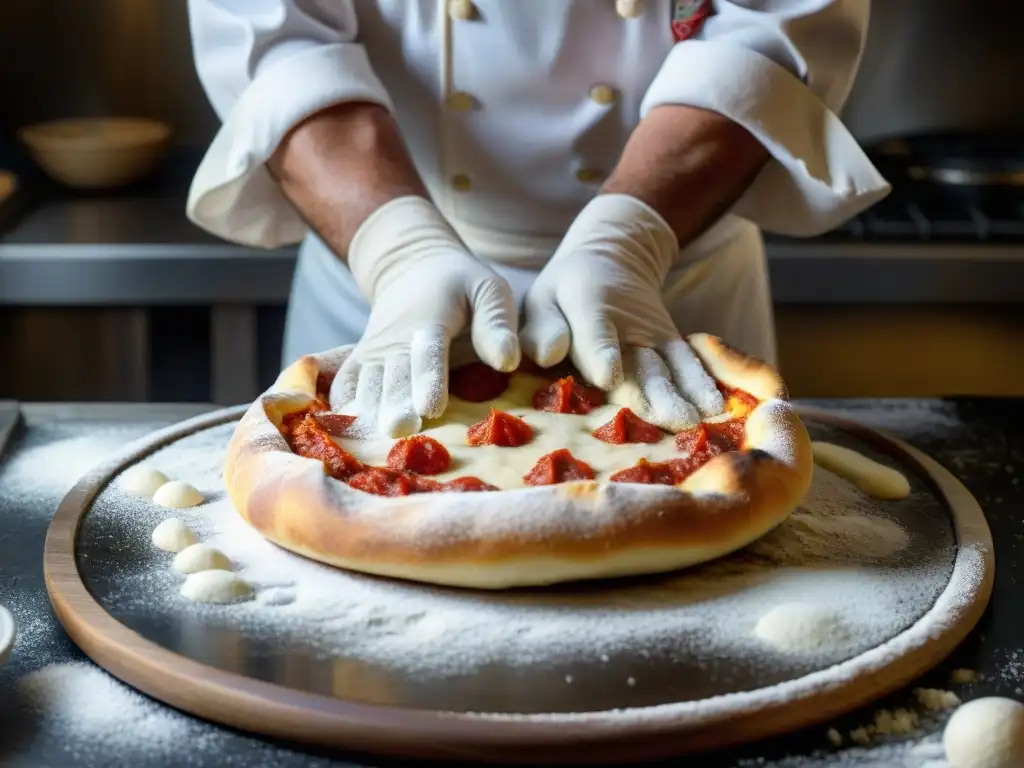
599, 301
424, 288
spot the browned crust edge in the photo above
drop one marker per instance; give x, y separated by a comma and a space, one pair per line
547, 534
737, 369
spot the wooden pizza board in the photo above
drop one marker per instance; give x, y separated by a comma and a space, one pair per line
596, 737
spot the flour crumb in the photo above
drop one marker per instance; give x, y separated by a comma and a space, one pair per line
896, 723
835, 738
964, 676
568, 679
861, 735
936, 700
630, 681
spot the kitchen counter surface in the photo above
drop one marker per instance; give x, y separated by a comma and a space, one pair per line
92, 722
138, 249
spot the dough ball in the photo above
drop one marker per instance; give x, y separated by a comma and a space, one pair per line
172, 535
216, 587
142, 480
201, 557
796, 627
177, 495
874, 479
986, 733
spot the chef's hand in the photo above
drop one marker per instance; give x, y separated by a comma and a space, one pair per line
424, 288
599, 301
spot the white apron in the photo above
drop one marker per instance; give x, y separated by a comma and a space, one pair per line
725, 293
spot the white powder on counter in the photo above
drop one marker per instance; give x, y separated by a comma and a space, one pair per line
94, 719
928, 417
55, 456
840, 549
91, 707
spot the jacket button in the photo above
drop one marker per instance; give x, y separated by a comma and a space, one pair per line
602, 94
589, 175
627, 9
463, 10
460, 101
461, 182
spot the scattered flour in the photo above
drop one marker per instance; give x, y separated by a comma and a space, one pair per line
92, 719
91, 707
55, 456
840, 548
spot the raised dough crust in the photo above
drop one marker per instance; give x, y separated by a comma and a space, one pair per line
526, 536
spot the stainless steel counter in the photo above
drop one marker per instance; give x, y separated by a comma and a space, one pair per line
141, 251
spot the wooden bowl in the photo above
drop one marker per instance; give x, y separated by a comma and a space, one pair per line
98, 153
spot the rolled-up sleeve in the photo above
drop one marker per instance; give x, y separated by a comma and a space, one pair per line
267, 65
782, 69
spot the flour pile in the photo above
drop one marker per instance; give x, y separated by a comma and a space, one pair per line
89, 706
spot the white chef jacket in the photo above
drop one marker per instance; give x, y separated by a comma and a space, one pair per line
514, 111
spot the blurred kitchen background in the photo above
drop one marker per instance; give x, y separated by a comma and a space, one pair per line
113, 295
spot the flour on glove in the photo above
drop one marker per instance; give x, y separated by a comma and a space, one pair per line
424, 288
598, 301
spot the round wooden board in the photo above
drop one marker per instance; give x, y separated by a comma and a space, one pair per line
589, 737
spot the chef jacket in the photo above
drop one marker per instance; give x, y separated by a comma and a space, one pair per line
514, 111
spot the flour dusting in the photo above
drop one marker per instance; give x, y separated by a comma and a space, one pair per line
88, 704
839, 549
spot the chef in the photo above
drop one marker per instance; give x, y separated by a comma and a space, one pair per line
581, 179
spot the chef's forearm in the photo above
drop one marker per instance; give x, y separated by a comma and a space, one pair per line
689, 164
342, 164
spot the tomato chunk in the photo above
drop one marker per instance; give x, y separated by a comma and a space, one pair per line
627, 427
566, 396
728, 433
387, 482
477, 383
312, 441
558, 467
420, 454
670, 472
500, 428
651, 473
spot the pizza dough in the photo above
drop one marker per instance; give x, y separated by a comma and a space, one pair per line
177, 495
172, 535
142, 480
522, 536
873, 478
216, 587
986, 733
201, 557
801, 627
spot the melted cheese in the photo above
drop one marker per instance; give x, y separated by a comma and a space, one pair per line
506, 467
